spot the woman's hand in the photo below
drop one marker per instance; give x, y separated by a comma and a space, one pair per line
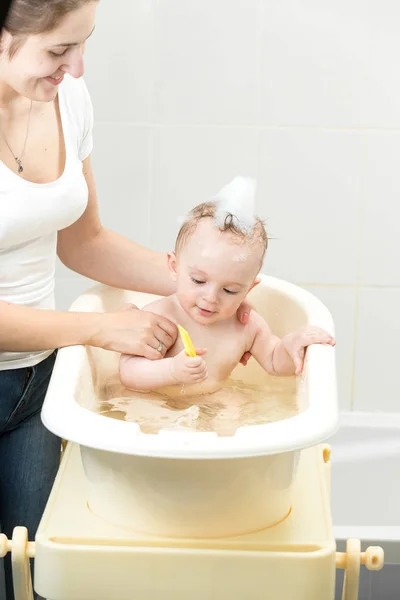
243, 313
134, 331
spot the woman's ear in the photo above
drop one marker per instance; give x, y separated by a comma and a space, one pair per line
171, 257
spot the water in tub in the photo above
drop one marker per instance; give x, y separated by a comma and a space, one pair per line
234, 405
237, 403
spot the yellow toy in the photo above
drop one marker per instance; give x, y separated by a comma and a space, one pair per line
187, 342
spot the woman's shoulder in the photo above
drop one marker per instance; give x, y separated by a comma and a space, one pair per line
74, 90
77, 113
75, 100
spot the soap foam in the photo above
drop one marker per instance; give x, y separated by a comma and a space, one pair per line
237, 200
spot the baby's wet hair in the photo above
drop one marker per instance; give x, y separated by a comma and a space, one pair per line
207, 210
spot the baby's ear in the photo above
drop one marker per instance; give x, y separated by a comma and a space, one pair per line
255, 282
171, 258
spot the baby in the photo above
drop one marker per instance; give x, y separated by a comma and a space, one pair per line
215, 265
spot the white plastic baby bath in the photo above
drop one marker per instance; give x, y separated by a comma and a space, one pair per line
189, 483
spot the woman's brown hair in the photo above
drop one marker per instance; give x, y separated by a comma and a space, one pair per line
31, 17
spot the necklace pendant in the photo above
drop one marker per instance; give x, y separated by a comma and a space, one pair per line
20, 168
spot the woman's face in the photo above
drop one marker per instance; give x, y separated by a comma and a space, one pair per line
40, 63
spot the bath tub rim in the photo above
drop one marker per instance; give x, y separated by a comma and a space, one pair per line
62, 414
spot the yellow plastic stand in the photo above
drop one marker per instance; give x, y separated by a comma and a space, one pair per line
21, 551
82, 557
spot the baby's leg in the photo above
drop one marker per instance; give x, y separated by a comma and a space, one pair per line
124, 358
128, 370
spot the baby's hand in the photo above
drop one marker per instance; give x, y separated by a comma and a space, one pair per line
188, 369
296, 343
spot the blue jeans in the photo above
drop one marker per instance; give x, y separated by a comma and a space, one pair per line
29, 453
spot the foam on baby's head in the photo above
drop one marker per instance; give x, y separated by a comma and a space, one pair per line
236, 203
231, 210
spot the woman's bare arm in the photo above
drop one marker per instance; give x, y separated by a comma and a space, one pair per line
130, 330
24, 329
102, 255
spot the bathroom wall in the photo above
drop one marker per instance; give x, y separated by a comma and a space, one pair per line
302, 94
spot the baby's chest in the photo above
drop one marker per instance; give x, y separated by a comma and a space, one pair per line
224, 348
223, 357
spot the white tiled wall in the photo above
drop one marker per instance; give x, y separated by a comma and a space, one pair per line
303, 94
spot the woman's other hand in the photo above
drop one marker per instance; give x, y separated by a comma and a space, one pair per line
243, 313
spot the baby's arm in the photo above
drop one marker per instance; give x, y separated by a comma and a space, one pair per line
138, 373
284, 356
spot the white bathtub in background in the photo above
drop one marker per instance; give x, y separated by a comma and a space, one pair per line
194, 484
366, 480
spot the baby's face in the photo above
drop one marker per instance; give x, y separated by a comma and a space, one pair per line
214, 272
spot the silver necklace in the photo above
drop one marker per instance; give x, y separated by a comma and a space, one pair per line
18, 159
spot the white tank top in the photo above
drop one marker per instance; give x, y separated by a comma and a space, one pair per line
32, 213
